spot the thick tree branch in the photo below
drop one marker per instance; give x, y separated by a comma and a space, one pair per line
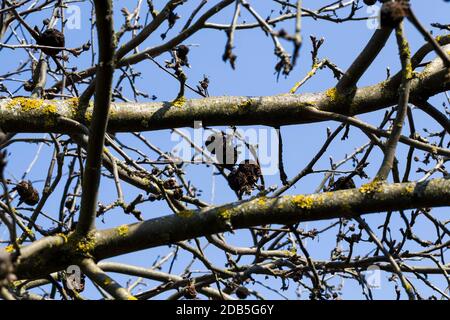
27, 115
54, 253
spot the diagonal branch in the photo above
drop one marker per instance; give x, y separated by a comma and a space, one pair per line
439, 51
148, 29
97, 275
433, 112
396, 268
404, 91
364, 60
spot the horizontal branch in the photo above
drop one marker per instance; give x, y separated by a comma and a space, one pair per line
32, 115
51, 254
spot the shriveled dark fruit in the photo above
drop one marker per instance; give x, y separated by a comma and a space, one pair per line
28, 86
204, 83
182, 51
370, 2
172, 184
243, 179
343, 183
282, 33
182, 54
27, 193
237, 180
51, 38
251, 170
242, 292
69, 203
189, 292
392, 13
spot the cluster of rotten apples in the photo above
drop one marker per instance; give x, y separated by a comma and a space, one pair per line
243, 177
392, 11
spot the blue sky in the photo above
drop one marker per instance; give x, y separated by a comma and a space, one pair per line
254, 76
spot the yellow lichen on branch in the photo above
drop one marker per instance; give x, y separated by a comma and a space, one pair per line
122, 230
9, 249
405, 54
376, 186
81, 245
302, 201
64, 237
224, 213
185, 213
261, 201
31, 105
332, 94
179, 102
